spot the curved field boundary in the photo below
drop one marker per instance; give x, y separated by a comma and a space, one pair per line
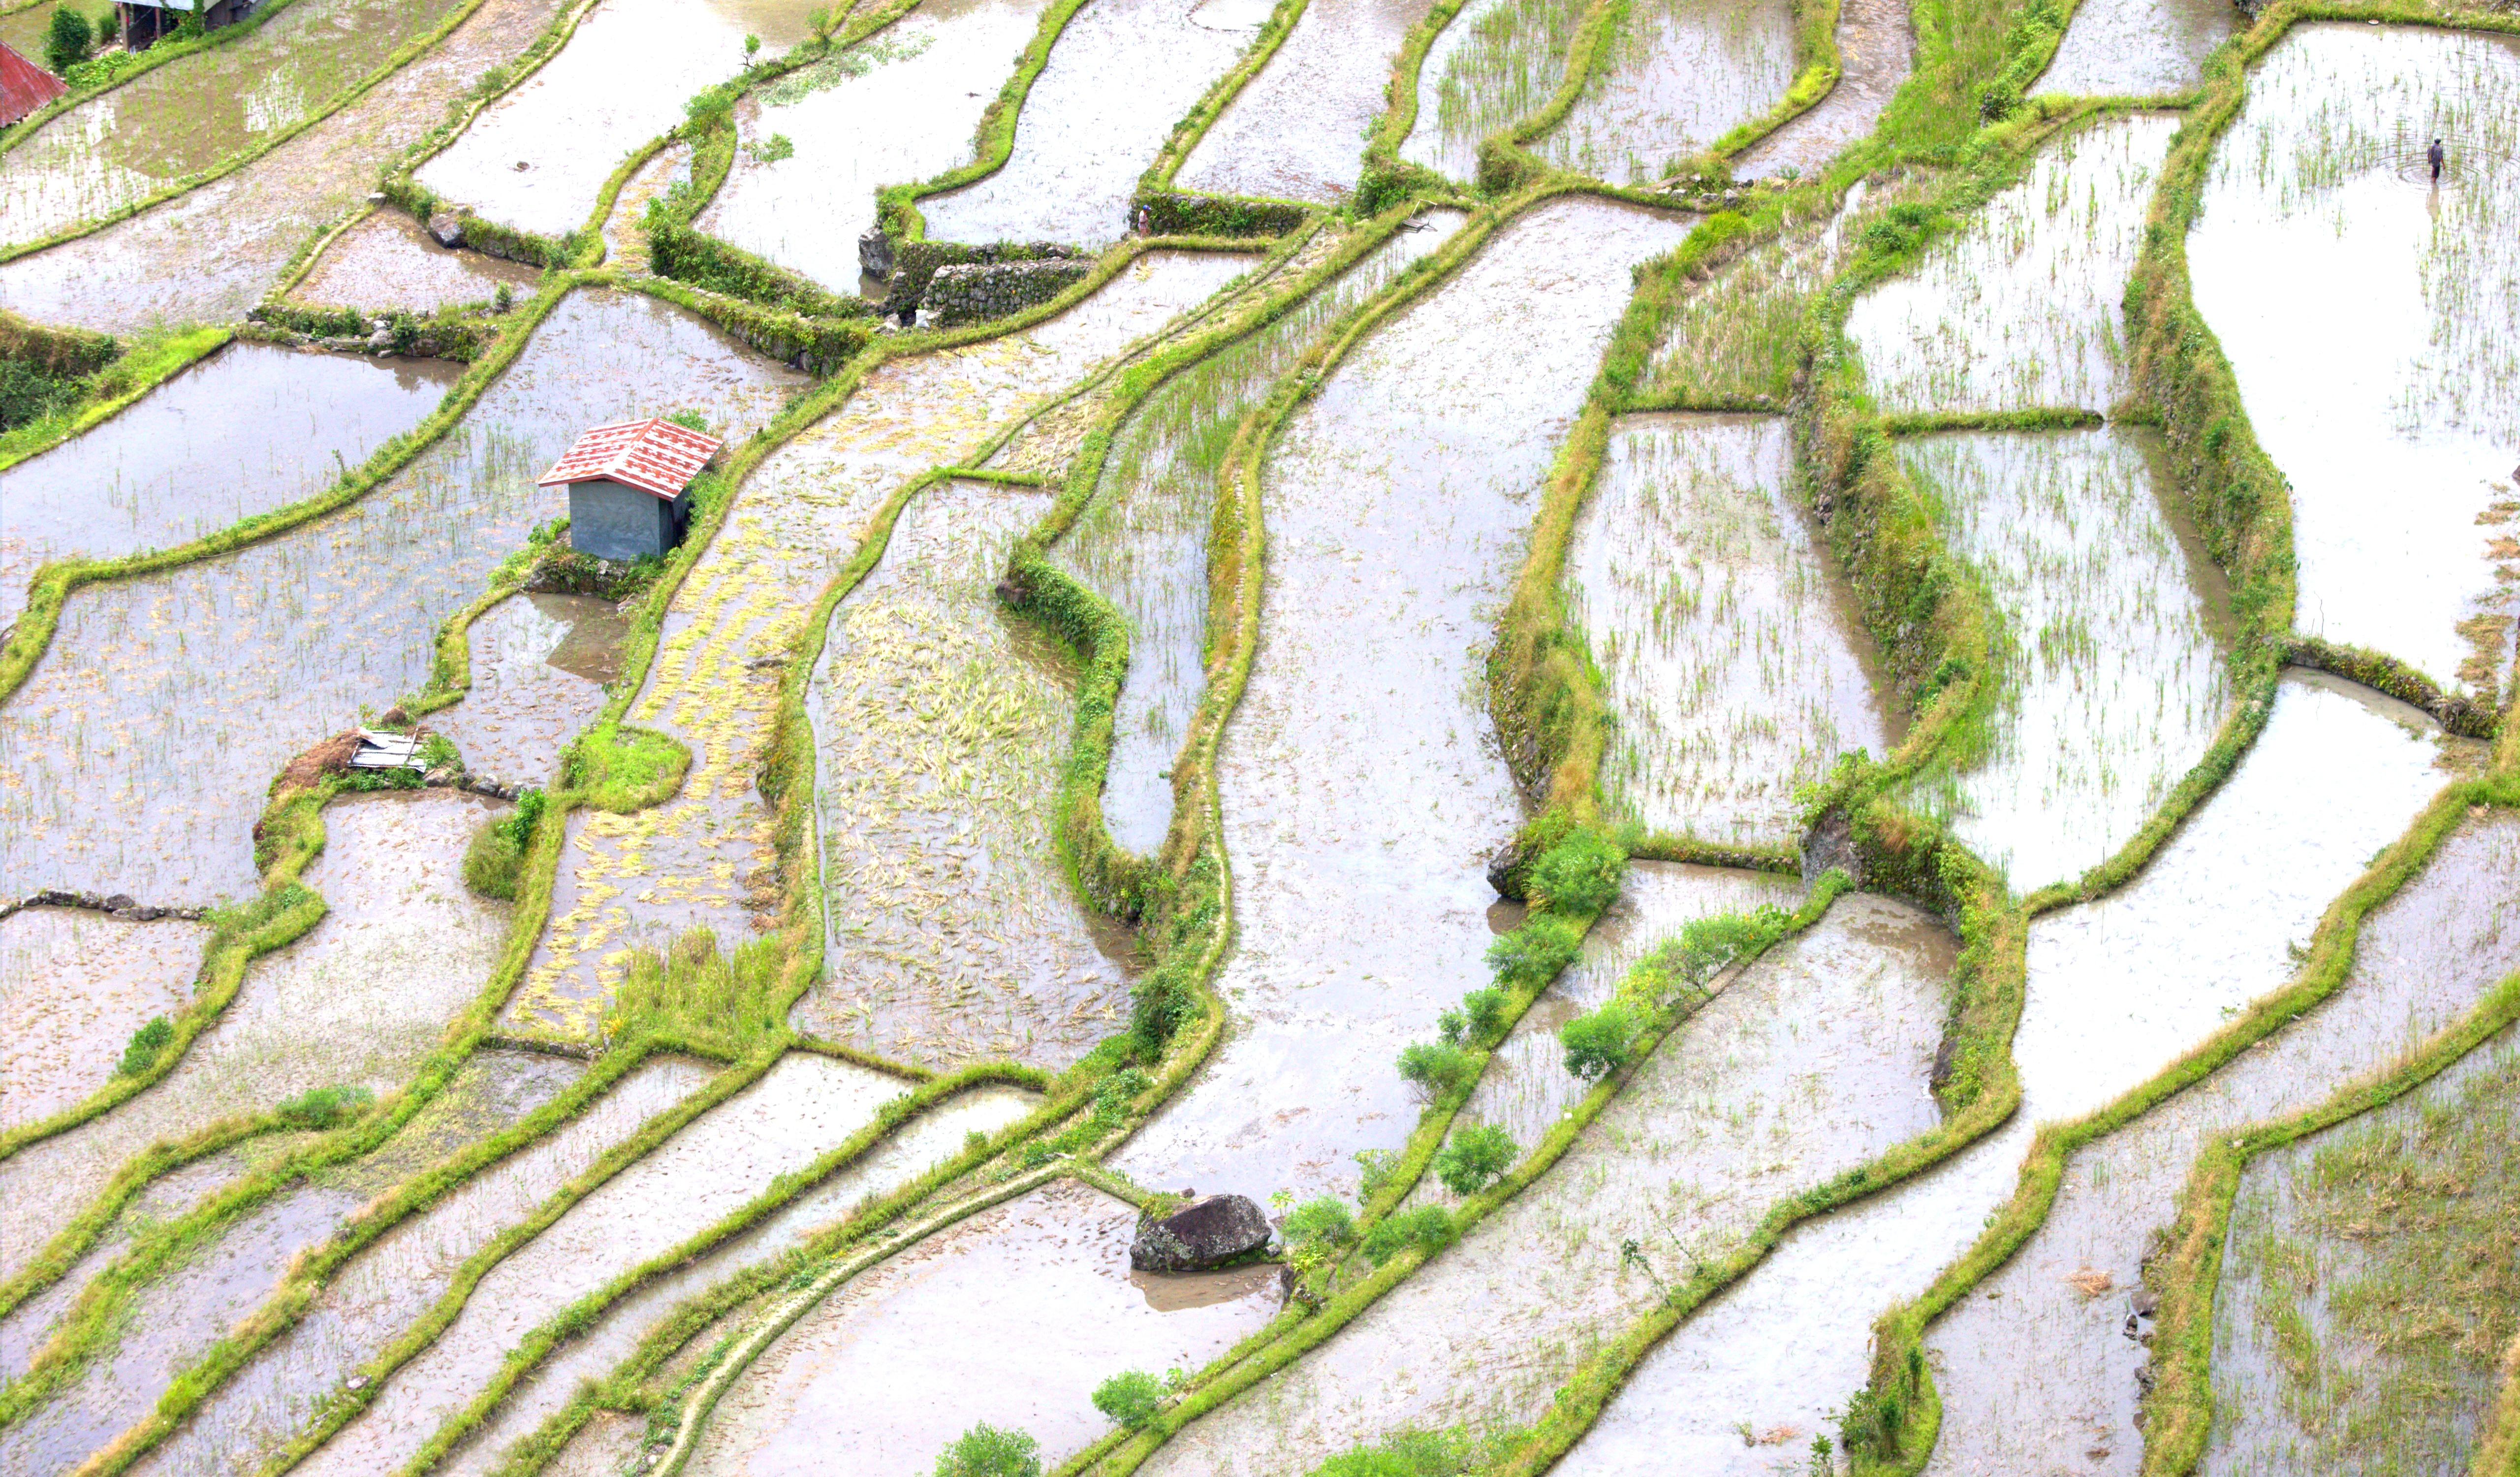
117, 387
148, 60
403, 56
992, 143
1220, 96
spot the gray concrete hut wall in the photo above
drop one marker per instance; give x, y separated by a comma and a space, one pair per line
611, 521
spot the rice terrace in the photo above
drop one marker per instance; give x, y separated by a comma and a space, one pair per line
1259, 738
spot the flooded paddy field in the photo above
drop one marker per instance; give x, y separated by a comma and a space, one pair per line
1368, 1029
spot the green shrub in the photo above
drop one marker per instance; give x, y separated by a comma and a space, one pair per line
146, 1043
1436, 1066
1428, 1227
1130, 1398
28, 395
67, 40
1479, 1021
1581, 874
985, 1451
1321, 1222
493, 861
1406, 1454
1531, 956
1475, 1158
1600, 1041
622, 768
324, 1107
736, 998
1113, 1096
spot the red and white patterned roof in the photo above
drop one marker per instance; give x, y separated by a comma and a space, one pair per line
652, 455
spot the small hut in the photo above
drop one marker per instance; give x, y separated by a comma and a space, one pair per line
24, 86
629, 487
142, 22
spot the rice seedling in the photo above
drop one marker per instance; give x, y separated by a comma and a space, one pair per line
2136, 48
1679, 74
1495, 63
1296, 131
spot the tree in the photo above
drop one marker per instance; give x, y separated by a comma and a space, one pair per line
985, 1451
66, 43
1475, 1157
1434, 1066
1581, 874
1599, 1042
1130, 1398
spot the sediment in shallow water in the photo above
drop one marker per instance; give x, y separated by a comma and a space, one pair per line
387, 261
2137, 47
1679, 76
1495, 63
1875, 47
73, 987
1296, 131
540, 666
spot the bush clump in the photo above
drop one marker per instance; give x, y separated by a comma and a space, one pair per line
146, 1043
1475, 1158
1429, 1228
325, 1107
987, 1451
1321, 1222
1600, 1041
67, 39
1436, 1067
1581, 874
1131, 1398
1406, 1454
1479, 1021
1532, 955
497, 855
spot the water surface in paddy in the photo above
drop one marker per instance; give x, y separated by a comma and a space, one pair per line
908, 1355
378, 1293
697, 861
895, 109
1359, 780
1875, 49
139, 751
540, 663
1810, 1061
1496, 63
210, 253
74, 986
2019, 307
804, 1106
902, 1156
1735, 667
244, 431
2036, 1371
360, 999
1679, 74
2409, 379
1123, 74
538, 157
941, 724
2137, 47
2121, 985
1296, 130
387, 261
2368, 1286
2114, 621
191, 114
1141, 543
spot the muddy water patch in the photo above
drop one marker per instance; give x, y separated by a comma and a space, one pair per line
940, 724
2019, 307
378, 1293
2137, 47
2411, 380
1141, 543
904, 1358
2037, 1367
138, 753
1812, 1060
540, 666
2114, 624
1875, 49
2120, 986
2370, 1283
1122, 73
1495, 63
1395, 502
698, 861
73, 987
360, 999
209, 254
894, 109
537, 157
1736, 668
199, 111
387, 260
901, 1157
1679, 76
1298, 130
804, 1106
243, 432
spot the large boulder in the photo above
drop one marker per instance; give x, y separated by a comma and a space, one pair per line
1204, 1233
446, 228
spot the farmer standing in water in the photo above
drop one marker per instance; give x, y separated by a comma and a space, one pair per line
2434, 156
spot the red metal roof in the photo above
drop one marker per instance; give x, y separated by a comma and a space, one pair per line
652, 455
24, 86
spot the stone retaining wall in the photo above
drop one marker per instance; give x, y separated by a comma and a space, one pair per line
977, 291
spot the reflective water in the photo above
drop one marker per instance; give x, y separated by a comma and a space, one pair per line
2408, 376
1358, 779
2114, 624
1123, 74
540, 663
908, 1355
136, 756
74, 986
1875, 48
1813, 1059
1679, 76
2137, 47
386, 260
245, 431
2020, 307
1496, 63
1296, 131
1736, 668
